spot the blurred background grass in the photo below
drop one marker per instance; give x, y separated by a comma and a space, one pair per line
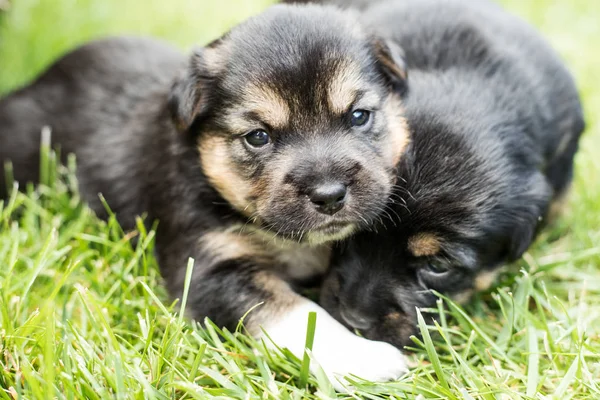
35, 32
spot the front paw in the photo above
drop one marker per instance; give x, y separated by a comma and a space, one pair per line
336, 350
348, 354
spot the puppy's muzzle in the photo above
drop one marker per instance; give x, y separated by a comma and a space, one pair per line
328, 198
325, 180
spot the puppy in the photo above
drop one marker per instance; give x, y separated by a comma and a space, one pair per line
255, 155
495, 120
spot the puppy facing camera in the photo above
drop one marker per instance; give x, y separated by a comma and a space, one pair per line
255, 154
299, 129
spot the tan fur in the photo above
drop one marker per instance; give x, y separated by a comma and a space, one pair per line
279, 288
317, 238
224, 245
238, 123
280, 300
214, 59
558, 206
399, 132
566, 126
462, 297
394, 317
216, 164
294, 260
387, 60
303, 262
281, 260
343, 87
270, 107
484, 280
424, 244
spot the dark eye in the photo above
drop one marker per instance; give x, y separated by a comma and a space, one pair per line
257, 138
360, 118
434, 268
432, 275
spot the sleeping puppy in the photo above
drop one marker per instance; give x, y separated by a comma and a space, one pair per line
495, 120
255, 155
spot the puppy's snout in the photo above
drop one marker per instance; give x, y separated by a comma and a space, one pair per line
328, 198
356, 320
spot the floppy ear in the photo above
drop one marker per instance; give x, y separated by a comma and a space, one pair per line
390, 60
188, 96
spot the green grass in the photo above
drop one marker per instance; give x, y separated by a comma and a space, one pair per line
83, 313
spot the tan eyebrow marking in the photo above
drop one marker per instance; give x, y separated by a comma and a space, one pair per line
344, 87
267, 104
424, 244
369, 100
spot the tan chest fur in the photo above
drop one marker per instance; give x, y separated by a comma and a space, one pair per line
294, 261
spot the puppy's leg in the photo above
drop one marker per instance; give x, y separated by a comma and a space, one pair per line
338, 351
232, 276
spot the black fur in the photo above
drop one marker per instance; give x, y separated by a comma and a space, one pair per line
495, 120
138, 115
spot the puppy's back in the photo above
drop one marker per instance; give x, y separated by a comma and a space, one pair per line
88, 99
504, 56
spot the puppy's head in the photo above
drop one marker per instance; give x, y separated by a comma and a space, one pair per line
376, 284
464, 207
297, 118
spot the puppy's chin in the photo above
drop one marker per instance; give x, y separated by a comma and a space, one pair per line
330, 233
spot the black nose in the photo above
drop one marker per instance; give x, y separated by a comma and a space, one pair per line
356, 320
329, 198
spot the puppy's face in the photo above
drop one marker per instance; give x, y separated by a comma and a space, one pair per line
298, 121
377, 289
462, 211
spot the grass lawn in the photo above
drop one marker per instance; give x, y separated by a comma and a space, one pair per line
83, 313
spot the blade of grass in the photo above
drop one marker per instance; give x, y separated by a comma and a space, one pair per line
533, 362
431, 352
45, 155
186, 289
310, 339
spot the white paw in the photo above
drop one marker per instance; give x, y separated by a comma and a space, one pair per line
338, 351
366, 359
